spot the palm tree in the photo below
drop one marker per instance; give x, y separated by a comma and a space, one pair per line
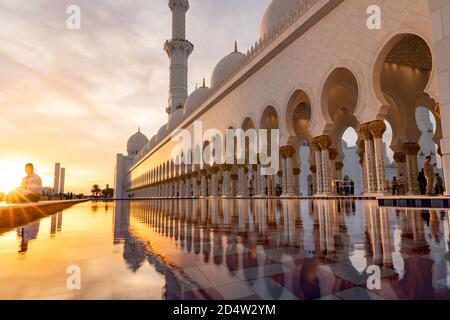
96, 190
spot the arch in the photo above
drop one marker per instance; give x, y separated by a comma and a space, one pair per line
339, 98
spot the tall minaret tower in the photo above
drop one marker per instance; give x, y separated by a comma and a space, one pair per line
178, 49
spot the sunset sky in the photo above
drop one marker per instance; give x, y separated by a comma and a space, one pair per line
76, 96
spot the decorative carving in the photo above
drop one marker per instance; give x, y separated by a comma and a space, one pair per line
339, 166
333, 154
364, 130
288, 151
315, 144
325, 142
296, 171
313, 169
377, 128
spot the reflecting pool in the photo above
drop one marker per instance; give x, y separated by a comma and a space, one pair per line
229, 249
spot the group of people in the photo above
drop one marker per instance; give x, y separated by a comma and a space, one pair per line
430, 183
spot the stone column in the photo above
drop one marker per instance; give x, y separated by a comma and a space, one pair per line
288, 171
194, 185
333, 155
242, 181
314, 180
369, 158
361, 153
400, 163
338, 167
234, 185
260, 183
411, 149
203, 184
378, 128
296, 173
187, 192
181, 187
226, 186
318, 156
325, 144
214, 182
254, 185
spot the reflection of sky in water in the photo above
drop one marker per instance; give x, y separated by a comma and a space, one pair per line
229, 249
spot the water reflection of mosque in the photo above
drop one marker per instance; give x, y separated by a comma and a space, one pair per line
310, 249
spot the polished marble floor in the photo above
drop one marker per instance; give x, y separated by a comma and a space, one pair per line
229, 249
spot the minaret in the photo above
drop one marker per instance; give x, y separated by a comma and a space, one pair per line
178, 49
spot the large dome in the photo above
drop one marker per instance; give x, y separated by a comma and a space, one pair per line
136, 142
275, 13
225, 67
195, 99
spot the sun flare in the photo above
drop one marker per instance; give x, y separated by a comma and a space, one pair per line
11, 173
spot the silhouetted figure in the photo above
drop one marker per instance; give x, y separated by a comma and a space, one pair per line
439, 188
422, 182
30, 189
278, 190
352, 187
395, 187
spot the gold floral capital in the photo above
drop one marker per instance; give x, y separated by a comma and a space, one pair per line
364, 130
325, 142
288, 151
333, 154
377, 128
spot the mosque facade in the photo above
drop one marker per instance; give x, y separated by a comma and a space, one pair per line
317, 68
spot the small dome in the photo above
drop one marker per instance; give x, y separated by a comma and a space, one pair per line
225, 67
195, 99
162, 133
136, 142
275, 13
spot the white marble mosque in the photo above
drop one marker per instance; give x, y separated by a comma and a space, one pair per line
315, 71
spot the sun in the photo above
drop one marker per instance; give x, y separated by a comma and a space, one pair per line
11, 173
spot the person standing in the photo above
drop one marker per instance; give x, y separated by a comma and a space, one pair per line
422, 182
429, 175
439, 185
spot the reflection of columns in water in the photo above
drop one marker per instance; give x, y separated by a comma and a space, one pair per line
261, 216
386, 241
412, 168
59, 225
242, 212
53, 225
374, 232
